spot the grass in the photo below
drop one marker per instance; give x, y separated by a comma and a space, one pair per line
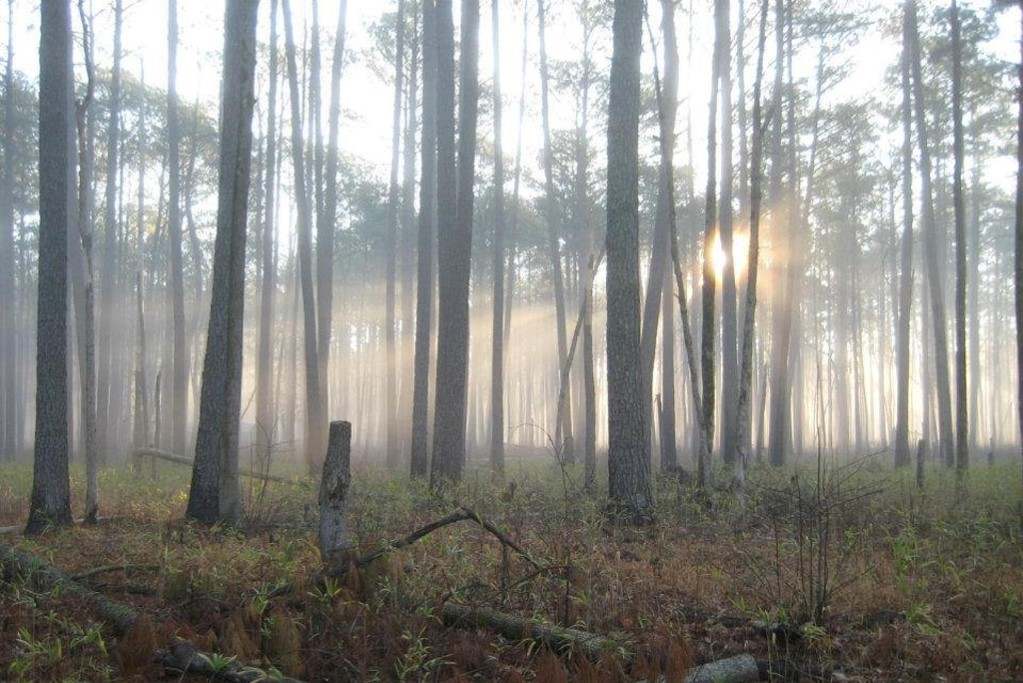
920, 584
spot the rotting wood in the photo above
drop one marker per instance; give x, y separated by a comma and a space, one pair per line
182, 656
157, 454
559, 639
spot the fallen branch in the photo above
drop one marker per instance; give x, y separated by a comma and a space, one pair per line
156, 453
460, 515
559, 639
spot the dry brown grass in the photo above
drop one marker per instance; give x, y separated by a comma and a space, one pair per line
932, 592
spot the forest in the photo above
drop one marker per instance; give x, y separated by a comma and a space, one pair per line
523, 340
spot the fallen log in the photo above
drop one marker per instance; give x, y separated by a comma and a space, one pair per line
184, 658
181, 657
45, 578
166, 456
559, 639
738, 669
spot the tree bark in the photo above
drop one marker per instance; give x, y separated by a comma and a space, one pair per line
454, 236
215, 493
334, 541
50, 503
628, 448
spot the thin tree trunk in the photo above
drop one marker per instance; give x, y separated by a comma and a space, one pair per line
659, 249
709, 235
179, 375
902, 452
420, 453
393, 453
564, 428
266, 425
497, 336
729, 334
314, 447
326, 216
108, 282
962, 418
84, 115
746, 358
934, 276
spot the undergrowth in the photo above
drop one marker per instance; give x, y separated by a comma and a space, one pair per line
850, 570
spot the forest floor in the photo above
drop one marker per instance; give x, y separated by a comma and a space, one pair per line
850, 574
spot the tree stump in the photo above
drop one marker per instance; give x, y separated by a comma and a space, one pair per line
337, 479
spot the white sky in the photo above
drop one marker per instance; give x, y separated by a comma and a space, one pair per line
367, 101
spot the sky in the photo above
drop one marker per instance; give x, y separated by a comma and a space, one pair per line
367, 100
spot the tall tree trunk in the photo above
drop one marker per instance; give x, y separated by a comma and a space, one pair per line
141, 412
628, 448
709, 235
659, 249
454, 236
393, 453
9, 398
83, 120
108, 283
934, 276
50, 503
902, 452
326, 212
1018, 265
749, 314
215, 493
516, 180
497, 336
729, 334
564, 429
179, 376
428, 191
962, 419
266, 425
315, 427
408, 220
